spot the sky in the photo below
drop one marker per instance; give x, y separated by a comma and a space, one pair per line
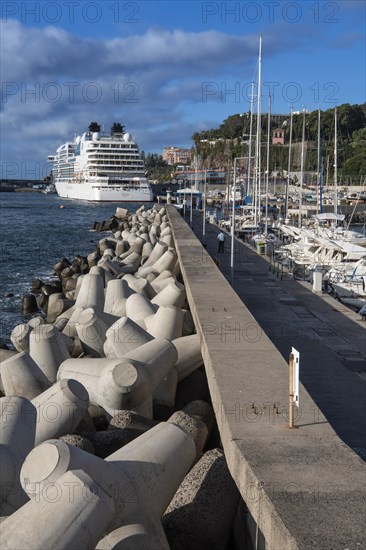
165, 69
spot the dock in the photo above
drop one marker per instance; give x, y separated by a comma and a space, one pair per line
304, 488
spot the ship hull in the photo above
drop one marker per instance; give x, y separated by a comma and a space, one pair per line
93, 192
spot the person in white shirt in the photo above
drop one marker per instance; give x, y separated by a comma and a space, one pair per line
221, 239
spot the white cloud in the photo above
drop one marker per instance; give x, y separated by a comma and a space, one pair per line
145, 81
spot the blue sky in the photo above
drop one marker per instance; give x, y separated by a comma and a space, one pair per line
166, 69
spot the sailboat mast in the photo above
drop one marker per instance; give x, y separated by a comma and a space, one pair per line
288, 166
335, 163
302, 166
267, 167
250, 140
258, 139
318, 162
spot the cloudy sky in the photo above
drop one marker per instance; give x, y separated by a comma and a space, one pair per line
165, 69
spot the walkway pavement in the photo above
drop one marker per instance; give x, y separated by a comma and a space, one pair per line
330, 337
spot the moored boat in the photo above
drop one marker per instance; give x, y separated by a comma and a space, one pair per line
99, 166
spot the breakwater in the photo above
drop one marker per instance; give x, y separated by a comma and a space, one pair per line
107, 396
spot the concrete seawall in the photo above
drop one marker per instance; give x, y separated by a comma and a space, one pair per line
305, 488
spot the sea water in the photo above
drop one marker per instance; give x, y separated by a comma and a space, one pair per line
35, 233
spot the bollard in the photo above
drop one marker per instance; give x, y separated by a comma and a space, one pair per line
317, 282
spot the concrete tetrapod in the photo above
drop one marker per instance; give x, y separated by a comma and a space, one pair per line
166, 323
17, 429
142, 476
140, 285
173, 294
64, 317
138, 307
189, 355
92, 328
60, 409
165, 262
57, 304
72, 513
146, 251
117, 384
20, 336
158, 250
202, 511
48, 349
123, 336
69, 328
91, 292
117, 289
21, 376
159, 283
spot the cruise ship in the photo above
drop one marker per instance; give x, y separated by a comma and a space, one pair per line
101, 167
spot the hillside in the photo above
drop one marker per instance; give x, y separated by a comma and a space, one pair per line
219, 146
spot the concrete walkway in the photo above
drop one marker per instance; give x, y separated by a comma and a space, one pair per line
330, 337
304, 488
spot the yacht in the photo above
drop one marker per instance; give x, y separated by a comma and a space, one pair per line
101, 167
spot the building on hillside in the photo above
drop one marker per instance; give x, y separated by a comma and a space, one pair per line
174, 155
278, 136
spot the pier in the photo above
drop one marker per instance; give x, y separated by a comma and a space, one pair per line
305, 487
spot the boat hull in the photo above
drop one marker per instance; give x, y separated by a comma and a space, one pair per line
93, 192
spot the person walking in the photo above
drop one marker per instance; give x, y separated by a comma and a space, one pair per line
221, 239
